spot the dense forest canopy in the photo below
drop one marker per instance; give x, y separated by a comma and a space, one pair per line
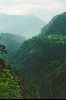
41, 62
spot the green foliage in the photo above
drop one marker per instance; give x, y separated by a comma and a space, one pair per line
9, 87
56, 38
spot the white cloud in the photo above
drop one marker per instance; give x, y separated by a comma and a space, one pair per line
42, 8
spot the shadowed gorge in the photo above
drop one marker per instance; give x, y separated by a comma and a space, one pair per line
12, 43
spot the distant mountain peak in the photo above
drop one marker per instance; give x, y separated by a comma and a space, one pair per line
24, 25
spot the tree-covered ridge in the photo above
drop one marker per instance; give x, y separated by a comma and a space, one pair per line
56, 26
41, 45
41, 62
54, 38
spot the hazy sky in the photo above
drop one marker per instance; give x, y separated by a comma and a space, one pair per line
45, 9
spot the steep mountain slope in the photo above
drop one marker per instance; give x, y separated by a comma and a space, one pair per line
56, 26
9, 87
27, 26
41, 62
12, 43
